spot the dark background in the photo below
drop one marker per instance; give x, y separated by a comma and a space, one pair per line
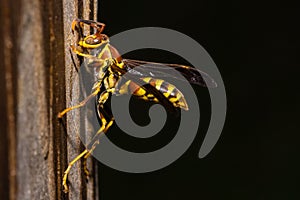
255, 46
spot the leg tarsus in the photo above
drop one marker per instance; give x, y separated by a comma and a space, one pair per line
67, 171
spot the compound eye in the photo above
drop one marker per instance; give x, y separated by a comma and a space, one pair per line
91, 40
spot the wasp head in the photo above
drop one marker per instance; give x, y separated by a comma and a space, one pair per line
91, 41
94, 41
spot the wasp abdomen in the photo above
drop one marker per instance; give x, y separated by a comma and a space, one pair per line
167, 89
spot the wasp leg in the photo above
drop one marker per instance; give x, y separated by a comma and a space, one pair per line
92, 145
95, 141
105, 125
82, 103
66, 189
86, 153
85, 169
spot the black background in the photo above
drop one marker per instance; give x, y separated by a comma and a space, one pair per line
255, 46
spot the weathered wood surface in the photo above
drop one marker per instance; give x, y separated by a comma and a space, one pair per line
39, 80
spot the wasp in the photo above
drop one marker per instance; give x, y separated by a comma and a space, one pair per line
144, 83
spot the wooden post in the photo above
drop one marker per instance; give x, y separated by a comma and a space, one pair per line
40, 80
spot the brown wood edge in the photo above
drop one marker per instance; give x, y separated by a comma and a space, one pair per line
53, 37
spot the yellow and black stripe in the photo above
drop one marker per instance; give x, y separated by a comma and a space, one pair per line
167, 89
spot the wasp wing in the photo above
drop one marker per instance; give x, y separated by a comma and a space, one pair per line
160, 70
147, 87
